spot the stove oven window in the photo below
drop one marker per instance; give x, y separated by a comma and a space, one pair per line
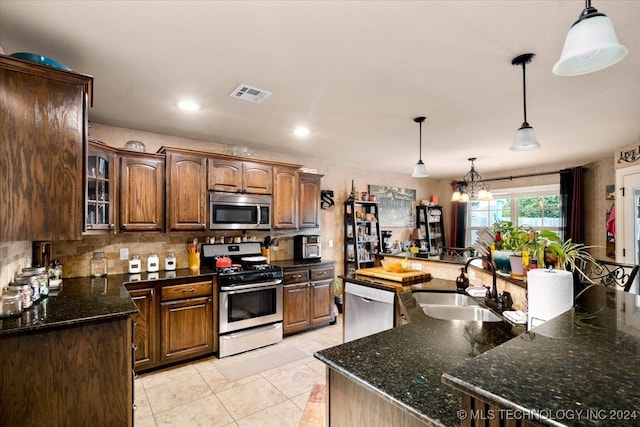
251, 305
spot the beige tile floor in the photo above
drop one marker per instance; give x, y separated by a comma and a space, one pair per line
197, 394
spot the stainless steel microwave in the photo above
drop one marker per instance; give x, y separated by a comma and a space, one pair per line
239, 211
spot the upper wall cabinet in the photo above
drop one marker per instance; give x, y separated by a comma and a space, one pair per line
100, 189
141, 195
309, 216
186, 191
285, 198
43, 133
128, 197
236, 176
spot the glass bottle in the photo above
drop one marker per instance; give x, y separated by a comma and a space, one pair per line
98, 265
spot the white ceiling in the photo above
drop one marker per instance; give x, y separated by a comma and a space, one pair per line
355, 72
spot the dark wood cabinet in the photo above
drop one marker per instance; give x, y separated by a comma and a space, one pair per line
186, 191
308, 297
285, 198
296, 308
145, 330
236, 176
77, 374
100, 189
43, 135
141, 195
309, 216
176, 321
186, 320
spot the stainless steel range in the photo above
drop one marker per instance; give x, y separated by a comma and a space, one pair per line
250, 299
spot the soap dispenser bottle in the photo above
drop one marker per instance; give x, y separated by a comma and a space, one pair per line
462, 282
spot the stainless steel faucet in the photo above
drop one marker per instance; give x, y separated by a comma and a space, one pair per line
494, 288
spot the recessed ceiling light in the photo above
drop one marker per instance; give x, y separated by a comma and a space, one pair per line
302, 131
188, 105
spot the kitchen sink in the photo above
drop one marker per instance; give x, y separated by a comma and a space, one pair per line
460, 312
453, 306
444, 298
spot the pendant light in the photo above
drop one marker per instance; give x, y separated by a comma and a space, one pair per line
420, 170
591, 45
525, 139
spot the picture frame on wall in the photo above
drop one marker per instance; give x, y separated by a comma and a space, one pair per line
396, 206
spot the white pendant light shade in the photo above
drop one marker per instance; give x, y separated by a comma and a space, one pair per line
420, 170
455, 197
525, 139
591, 45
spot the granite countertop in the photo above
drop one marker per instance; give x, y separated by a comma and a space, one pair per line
405, 364
580, 368
289, 263
84, 299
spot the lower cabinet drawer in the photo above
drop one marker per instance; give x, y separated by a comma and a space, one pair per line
322, 273
190, 290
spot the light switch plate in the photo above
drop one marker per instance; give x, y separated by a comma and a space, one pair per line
124, 253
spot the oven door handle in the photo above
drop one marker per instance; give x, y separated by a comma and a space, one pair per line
251, 286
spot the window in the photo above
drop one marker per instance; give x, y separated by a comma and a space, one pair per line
538, 207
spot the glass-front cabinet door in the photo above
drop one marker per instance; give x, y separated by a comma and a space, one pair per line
100, 191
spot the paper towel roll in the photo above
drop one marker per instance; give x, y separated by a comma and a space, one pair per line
549, 293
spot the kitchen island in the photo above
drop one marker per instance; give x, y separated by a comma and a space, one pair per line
396, 374
426, 372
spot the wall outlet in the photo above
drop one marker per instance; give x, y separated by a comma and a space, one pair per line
472, 275
124, 253
330, 243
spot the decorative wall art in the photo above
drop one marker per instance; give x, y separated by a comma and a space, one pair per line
397, 206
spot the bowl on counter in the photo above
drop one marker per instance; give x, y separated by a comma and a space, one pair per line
394, 266
39, 59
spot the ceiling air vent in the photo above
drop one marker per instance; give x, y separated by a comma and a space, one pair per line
250, 93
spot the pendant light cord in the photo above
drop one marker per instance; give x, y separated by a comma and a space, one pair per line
420, 153
524, 91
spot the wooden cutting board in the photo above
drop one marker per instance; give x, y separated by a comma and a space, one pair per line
405, 276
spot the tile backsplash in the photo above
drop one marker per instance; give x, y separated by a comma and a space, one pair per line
14, 256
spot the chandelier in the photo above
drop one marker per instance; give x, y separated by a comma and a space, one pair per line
472, 187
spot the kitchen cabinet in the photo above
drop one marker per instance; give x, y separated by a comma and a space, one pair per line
100, 190
186, 316
186, 191
141, 195
308, 297
79, 373
145, 330
236, 176
43, 137
285, 198
363, 237
430, 222
176, 320
309, 216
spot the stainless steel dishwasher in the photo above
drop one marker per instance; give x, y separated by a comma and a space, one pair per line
367, 311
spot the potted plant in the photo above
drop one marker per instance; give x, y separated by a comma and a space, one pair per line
566, 255
510, 241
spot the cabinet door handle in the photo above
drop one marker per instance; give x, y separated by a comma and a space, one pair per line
203, 226
297, 276
188, 290
111, 226
123, 226
134, 347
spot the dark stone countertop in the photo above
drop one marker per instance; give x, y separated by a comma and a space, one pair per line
291, 263
580, 368
84, 299
405, 364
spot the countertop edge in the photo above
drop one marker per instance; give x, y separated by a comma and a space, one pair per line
377, 391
